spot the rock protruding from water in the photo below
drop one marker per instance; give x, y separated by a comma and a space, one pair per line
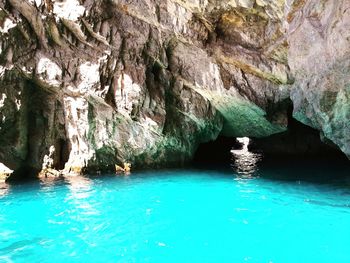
5, 173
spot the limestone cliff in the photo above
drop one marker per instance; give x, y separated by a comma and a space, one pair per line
87, 84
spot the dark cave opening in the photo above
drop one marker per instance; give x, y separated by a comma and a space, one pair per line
63, 150
299, 145
216, 152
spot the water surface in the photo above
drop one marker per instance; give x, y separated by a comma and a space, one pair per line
278, 214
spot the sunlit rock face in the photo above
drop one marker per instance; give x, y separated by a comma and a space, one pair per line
146, 82
5, 172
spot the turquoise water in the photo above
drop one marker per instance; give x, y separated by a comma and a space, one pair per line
285, 214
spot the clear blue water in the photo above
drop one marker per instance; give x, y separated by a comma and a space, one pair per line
285, 214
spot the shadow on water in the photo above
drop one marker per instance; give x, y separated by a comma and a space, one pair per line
310, 169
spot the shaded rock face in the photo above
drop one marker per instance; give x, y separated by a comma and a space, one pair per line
86, 84
299, 142
319, 56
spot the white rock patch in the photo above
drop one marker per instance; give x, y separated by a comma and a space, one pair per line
8, 24
50, 72
90, 76
68, 9
128, 93
18, 104
77, 127
179, 17
2, 71
25, 70
5, 169
4, 172
48, 160
36, 2
2, 100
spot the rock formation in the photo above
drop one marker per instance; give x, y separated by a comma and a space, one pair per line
87, 84
5, 172
319, 57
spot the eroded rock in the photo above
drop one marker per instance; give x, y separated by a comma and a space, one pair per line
146, 82
319, 57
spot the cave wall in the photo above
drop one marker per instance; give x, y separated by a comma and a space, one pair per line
299, 142
86, 84
319, 57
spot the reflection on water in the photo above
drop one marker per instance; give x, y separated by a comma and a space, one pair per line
78, 183
245, 163
80, 187
48, 183
4, 189
81, 197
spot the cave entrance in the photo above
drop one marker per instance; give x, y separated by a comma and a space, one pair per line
299, 143
229, 152
220, 151
299, 146
216, 152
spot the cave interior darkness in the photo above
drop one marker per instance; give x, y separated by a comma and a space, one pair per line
299, 144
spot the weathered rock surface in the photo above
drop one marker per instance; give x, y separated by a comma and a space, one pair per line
103, 82
319, 57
